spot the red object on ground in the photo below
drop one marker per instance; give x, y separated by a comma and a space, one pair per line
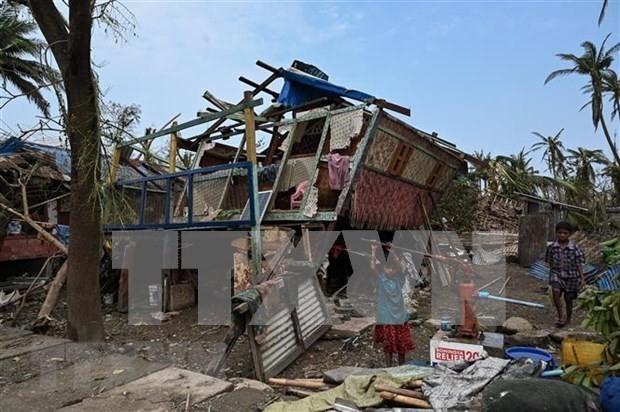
469, 324
25, 247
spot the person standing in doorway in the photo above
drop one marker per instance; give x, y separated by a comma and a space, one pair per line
566, 278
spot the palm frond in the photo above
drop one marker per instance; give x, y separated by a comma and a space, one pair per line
601, 16
558, 73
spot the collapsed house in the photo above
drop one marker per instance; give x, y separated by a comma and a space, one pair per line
334, 158
34, 181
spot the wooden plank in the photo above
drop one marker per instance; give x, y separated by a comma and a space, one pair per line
249, 82
317, 160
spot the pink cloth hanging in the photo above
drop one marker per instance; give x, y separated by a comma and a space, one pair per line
338, 167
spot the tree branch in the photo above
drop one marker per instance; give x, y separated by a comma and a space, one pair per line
36, 227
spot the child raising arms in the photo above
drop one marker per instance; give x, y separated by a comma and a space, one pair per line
392, 329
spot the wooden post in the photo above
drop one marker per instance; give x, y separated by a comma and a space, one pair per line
250, 138
533, 234
116, 159
172, 159
52, 295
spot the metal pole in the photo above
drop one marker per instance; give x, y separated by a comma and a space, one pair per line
485, 295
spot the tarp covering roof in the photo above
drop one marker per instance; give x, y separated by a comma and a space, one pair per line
301, 88
61, 156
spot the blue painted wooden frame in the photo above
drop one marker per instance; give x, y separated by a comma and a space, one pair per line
190, 200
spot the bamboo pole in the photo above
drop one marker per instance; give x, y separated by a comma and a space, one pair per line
299, 383
399, 391
405, 400
504, 287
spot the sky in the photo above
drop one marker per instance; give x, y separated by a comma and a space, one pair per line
472, 71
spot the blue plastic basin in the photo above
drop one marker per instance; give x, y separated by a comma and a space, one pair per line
532, 353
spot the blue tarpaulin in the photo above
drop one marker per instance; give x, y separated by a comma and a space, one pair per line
63, 234
299, 89
62, 158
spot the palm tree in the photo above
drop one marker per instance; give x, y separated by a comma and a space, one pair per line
582, 161
594, 63
16, 45
516, 174
553, 153
611, 86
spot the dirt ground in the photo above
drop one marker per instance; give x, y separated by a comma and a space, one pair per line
182, 342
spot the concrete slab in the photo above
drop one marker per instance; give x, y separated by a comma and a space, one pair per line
26, 344
350, 328
165, 390
7, 333
54, 390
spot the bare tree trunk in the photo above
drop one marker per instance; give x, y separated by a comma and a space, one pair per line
614, 150
71, 49
83, 297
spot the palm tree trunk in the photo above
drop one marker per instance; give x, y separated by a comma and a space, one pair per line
610, 141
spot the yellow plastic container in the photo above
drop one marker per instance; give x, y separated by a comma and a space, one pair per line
581, 353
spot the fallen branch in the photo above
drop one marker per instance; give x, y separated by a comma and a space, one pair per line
44, 233
405, 400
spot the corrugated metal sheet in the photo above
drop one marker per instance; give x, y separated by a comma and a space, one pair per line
290, 331
609, 279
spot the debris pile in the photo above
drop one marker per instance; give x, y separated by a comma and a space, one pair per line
496, 212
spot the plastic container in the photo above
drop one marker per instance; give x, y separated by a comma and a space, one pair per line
534, 354
575, 352
445, 323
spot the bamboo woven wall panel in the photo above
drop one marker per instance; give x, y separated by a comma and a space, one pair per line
381, 151
296, 171
419, 168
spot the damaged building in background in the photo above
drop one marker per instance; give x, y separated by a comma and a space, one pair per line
334, 158
35, 181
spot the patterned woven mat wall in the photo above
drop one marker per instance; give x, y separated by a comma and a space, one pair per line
382, 203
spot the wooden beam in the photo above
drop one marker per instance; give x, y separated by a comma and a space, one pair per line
249, 82
116, 159
219, 116
250, 138
219, 122
172, 158
391, 106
